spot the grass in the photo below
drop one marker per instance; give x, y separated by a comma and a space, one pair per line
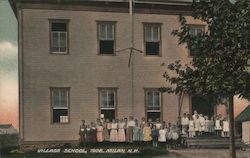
145, 151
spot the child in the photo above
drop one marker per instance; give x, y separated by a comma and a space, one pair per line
99, 134
155, 135
211, 126
175, 137
147, 133
162, 136
197, 125
113, 132
206, 125
225, 128
202, 125
121, 131
218, 126
169, 138
158, 124
191, 131
184, 123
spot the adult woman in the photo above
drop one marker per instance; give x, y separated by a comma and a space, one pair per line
113, 132
121, 131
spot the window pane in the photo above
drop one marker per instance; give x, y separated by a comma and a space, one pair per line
192, 31
102, 31
156, 99
152, 48
60, 97
63, 97
59, 27
148, 33
111, 99
150, 99
104, 99
156, 33
59, 115
55, 43
56, 98
63, 41
153, 115
110, 32
108, 114
106, 47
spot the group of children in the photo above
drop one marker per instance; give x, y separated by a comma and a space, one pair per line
199, 125
130, 130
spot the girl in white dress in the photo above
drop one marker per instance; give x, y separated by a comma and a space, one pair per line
162, 136
191, 131
218, 126
225, 128
202, 125
197, 125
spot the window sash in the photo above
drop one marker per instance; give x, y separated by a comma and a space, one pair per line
107, 99
59, 41
152, 33
153, 101
106, 31
195, 30
60, 98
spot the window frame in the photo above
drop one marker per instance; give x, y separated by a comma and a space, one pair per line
195, 26
160, 38
66, 21
98, 22
146, 90
100, 89
52, 104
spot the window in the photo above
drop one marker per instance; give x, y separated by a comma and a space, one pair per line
152, 37
60, 105
195, 30
153, 104
107, 102
59, 37
106, 37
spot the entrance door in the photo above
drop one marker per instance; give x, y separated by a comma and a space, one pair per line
203, 105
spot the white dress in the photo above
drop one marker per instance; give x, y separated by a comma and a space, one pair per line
191, 126
217, 125
202, 122
225, 126
162, 135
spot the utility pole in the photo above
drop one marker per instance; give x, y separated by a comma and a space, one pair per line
132, 50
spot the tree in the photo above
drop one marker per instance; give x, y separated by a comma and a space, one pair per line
220, 54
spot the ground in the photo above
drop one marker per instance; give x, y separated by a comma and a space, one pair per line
204, 153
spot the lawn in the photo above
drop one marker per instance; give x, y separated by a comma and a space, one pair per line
104, 150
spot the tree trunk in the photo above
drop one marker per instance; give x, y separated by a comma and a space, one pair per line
231, 124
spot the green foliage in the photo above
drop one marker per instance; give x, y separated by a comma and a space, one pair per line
220, 53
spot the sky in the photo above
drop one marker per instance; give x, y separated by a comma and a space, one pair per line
8, 65
9, 69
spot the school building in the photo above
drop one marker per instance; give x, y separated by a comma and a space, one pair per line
82, 59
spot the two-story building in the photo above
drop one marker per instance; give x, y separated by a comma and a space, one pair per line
74, 65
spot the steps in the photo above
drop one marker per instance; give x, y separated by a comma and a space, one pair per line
211, 142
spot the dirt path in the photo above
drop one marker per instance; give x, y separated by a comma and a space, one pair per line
205, 153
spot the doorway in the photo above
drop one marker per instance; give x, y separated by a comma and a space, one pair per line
203, 105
